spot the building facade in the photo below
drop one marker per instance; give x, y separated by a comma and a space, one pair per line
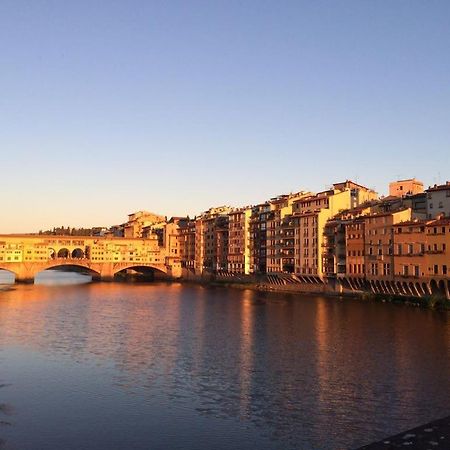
239, 254
401, 188
438, 200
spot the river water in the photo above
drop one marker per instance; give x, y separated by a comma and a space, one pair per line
170, 366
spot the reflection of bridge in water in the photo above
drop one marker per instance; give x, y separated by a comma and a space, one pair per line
103, 258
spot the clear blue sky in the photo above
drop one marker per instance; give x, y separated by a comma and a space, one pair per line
107, 107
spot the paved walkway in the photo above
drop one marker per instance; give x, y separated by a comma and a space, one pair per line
433, 435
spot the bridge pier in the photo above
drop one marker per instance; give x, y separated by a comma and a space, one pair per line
24, 274
106, 277
107, 272
24, 280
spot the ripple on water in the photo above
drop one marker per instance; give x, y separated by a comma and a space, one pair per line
170, 366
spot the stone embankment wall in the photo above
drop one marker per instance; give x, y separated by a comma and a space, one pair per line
426, 292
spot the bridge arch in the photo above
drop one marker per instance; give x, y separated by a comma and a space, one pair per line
78, 253
63, 253
74, 265
138, 268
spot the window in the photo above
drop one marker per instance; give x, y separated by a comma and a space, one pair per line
417, 271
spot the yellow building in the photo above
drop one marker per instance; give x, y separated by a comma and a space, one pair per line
239, 241
312, 213
139, 221
25, 255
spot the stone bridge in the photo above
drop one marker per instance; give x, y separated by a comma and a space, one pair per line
26, 255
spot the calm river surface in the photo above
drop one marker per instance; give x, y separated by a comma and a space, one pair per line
170, 366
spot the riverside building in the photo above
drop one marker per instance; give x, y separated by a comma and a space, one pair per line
312, 213
438, 200
239, 254
211, 240
343, 234
402, 188
276, 225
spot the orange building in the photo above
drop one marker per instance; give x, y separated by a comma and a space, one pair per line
409, 249
422, 257
379, 243
401, 188
211, 240
354, 240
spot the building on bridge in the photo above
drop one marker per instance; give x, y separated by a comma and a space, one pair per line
26, 255
141, 222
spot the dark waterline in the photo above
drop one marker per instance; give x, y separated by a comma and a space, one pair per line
166, 366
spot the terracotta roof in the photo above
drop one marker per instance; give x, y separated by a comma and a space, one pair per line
388, 213
412, 222
437, 222
441, 187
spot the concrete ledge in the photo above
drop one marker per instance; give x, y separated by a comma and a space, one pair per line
433, 435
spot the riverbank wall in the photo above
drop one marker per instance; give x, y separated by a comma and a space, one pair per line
425, 295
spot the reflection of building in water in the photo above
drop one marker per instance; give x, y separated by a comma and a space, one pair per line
247, 351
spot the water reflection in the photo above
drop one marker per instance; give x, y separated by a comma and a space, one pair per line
6, 277
48, 277
60, 277
288, 372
